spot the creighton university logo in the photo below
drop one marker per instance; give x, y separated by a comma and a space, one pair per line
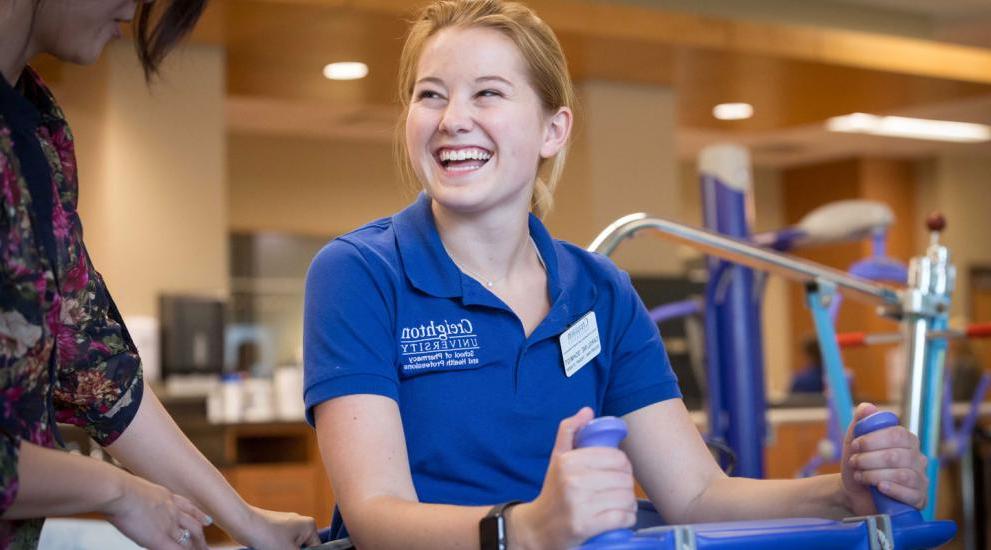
440, 344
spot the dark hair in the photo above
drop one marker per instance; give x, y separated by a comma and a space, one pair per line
171, 24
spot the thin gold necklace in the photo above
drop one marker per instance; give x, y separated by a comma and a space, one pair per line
483, 279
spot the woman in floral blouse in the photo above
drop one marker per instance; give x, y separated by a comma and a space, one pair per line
65, 355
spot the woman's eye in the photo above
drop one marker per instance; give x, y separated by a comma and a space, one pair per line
427, 94
490, 93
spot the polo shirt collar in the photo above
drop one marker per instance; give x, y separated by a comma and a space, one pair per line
427, 265
430, 269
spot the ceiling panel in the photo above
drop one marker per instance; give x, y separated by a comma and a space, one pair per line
788, 93
277, 50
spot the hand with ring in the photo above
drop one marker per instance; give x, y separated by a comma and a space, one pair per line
155, 518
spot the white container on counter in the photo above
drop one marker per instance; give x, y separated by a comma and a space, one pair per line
258, 400
232, 398
288, 382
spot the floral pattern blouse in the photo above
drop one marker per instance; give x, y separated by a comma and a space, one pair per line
65, 355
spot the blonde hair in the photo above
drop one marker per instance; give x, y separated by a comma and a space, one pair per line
547, 68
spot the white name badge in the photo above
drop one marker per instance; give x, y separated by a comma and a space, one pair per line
580, 343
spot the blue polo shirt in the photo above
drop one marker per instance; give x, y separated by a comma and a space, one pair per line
388, 313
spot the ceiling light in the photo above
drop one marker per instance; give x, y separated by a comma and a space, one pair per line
916, 128
733, 111
346, 70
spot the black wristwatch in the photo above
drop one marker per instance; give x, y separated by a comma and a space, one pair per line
492, 528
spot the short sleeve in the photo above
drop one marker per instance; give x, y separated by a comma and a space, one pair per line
100, 384
347, 328
641, 374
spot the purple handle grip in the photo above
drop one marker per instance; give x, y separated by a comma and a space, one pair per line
883, 503
605, 431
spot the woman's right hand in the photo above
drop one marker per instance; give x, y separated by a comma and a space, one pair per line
586, 492
154, 517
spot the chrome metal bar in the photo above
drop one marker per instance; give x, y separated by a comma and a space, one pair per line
916, 328
968, 490
744, 253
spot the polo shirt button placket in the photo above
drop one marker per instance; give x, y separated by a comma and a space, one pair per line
517, 370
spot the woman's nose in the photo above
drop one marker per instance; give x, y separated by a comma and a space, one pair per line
457, 118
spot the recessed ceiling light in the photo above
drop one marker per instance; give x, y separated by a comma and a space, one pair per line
916, 128
733, 111
346, 70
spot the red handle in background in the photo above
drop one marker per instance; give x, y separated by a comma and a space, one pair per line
859, 339
978, 330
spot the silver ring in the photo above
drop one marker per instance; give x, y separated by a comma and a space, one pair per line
183, 537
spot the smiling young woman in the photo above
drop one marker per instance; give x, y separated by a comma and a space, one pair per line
428, 435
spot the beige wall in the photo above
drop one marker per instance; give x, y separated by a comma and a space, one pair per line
622, 161
310, 186
152, 173
960, 187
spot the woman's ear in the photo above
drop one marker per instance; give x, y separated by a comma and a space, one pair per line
556, 132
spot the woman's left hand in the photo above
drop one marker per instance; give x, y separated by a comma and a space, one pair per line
888, 459
270, 530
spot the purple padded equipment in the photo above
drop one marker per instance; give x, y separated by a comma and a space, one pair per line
910, 531
898, 525
608, 431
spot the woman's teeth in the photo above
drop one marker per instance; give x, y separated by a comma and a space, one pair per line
463, 160
448, 155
